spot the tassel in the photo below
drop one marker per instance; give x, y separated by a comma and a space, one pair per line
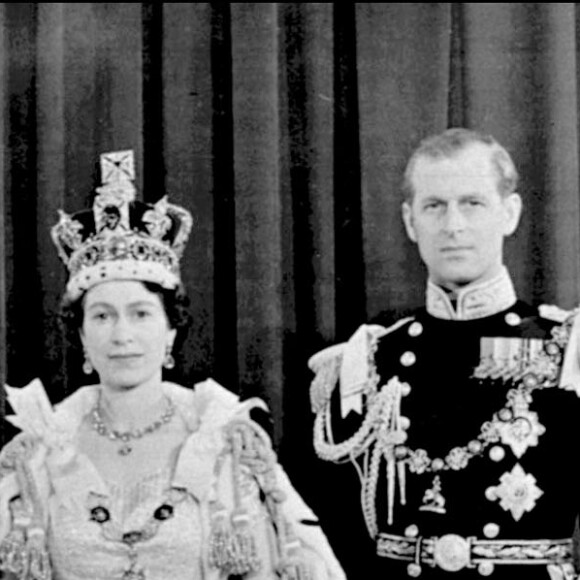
291, 566
390, 486
233, 547
14, 555
294, 571
38, 561
402, 481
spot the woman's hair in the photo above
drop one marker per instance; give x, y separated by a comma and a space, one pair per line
175, 303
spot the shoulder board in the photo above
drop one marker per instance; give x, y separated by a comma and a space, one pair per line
555, 313
325, 355
335, 351
394, 326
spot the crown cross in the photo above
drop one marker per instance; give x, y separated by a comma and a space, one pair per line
117, 166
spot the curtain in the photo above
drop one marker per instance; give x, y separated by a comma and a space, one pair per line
284, 128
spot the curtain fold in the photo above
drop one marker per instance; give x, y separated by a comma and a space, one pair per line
284, 128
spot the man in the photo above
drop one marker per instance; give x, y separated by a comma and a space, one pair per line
459, 418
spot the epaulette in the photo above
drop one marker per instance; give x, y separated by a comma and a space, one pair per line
21, 448
327, 362
555, 313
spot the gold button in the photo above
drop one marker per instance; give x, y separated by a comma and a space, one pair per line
416, 329
486, 568
414, 570
408, 358
496, 453
491, 530
512, 319
411, 531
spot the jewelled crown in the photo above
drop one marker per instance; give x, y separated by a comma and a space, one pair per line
121, 238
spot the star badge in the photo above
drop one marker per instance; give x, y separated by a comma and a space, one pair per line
517, 492
521, 432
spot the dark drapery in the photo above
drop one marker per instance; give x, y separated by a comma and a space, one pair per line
284, 128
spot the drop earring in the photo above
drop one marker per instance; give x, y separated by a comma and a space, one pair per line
168, 361
87, 366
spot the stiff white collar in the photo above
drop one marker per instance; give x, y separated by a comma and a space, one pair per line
474, 301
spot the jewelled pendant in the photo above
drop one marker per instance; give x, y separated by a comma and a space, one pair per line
125, 449
132, 574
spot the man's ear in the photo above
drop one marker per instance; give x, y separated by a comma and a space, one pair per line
172, 335
408, 221
513, 211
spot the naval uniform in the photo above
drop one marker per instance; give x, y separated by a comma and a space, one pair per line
462, 433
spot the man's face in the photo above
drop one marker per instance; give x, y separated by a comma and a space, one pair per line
458, 218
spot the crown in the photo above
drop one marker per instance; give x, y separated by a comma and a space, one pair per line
121, 238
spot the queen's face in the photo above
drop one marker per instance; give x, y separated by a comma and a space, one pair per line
125, 333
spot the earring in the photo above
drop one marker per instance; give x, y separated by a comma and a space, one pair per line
87, 366
169, 361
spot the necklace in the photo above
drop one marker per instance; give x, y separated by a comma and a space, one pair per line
125, 436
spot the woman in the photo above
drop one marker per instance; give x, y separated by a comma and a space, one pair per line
136, 478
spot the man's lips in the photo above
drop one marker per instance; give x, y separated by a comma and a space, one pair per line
455, 249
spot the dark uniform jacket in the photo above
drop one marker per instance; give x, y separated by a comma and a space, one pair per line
465, 445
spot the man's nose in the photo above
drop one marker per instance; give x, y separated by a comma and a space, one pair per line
453, 220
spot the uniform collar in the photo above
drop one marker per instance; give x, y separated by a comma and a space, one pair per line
473, 301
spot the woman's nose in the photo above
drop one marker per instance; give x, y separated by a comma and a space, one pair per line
121, 330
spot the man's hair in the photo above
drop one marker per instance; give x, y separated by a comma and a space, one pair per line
448, 144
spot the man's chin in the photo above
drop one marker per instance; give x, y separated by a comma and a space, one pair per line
459, 278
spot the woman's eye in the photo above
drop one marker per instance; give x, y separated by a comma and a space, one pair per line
100, 316
143, 314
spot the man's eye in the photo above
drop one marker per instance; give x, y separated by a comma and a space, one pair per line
432, 205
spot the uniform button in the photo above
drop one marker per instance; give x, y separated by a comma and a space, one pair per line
512, 319
414, 570
405, 423
411, 531
491, 530
486, 568
408, 358
491, 493
496, 453
405, 389
416, 329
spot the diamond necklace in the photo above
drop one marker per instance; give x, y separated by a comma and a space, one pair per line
125, 436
